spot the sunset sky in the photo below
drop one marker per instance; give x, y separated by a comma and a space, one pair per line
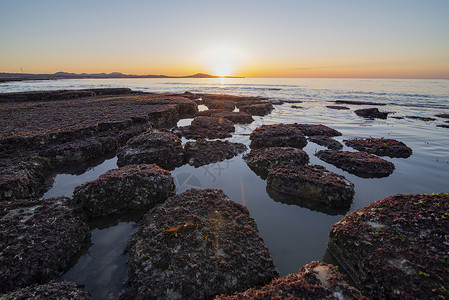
391, 39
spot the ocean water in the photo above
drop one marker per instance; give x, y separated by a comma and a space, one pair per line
294, 234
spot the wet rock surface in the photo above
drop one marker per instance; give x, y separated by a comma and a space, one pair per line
425, 119
396, 248
152, 147
50, 291
371, 113
233, 116
206, 127
380, 146
326, 141
358, 163
219, 104
312, 182
262, 160
204, 152
129, 187
196, 245
278, 135
338, 107
317, 129
258, 109
38, 239
316, 280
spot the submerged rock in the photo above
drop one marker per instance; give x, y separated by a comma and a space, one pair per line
51, 291
338, 107
313, 182
396, 248
258, 109
358, 163
425, 119
326, 141
317, 129
38, 240
278, 135
442, 116
129, 187
204, 152
206, 127
371, 113
194, 246
153, 146
263, 159
316, 280
381, 146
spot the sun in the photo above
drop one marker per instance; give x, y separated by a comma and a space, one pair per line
223, 60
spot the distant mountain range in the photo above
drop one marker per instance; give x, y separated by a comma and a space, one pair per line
64, 75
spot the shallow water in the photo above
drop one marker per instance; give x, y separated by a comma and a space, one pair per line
295, 234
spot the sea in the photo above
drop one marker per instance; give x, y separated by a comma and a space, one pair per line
295, 234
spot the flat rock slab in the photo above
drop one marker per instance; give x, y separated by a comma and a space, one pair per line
262, 160
278, 135
219, 104
204, 152
371, 113
425, 119
380, 146
258, 109
316, 280
196, 245
317, 129
152, 147
38, 239
312, 182
361, 164
50, 291
397, 248
236, 117
207, 127
129, 187
326, 141
338, 107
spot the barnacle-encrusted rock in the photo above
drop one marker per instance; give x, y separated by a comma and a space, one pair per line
361, 164
38, 239
263, 159
258, 109
371, 113
317, 129
204, 152
129, 187
397, 248
206, 127
326, 141
313, 182
338, 107
425, 119
316, 280
381, 146
194, 246
51, 291
153, 146
278, 135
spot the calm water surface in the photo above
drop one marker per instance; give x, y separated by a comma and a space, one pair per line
295, 235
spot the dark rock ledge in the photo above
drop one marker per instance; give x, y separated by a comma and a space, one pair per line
50, 291
397, 248
204, 152
278, 135
380, 146
194, 246
371, 113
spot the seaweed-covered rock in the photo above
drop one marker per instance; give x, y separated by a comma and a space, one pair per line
206, 127
129, 187
313, 182
38, 239
317, 129
258, 109
425, 119
153, 146
316, 280
278, 135
338, 107
263, 159
381, 146
358, 163
51, 291
204, 152
194, 246
397, 248
219, 104
326, 141
371, 113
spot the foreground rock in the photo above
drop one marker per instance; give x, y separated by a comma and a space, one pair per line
129, 187
396, 248
316, 280
358, 163
312, 182
259, 109
152, 147
233, 116
381, 146
206, 127
204, 152
194, 246
50, 291
38, 239
262, 160
317, 129
225, 104
371, 113
326, 141
278, 135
